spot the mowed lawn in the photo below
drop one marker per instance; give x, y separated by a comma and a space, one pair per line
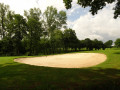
21, 76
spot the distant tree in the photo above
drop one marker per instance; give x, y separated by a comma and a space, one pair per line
95, 5
34, 30
70, 39
6, 17
117, 42
53, 20
79, 44
83, 44
15, 32
101, 45
57, 40
88, 44
108, 43
6, 46
34, 13
95, 44
3, 18
9, 24
34, 34
18, 26
98, 44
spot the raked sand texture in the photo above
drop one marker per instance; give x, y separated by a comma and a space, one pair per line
76, 60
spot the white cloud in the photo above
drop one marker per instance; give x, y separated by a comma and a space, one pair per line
74, 7
20, 5
101, 26
56, 3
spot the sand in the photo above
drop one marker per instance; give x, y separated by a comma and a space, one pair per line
76, 60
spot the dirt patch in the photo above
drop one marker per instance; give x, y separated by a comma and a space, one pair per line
76, 60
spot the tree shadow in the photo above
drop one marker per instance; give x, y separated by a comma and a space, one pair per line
14, 76
117, 53
116, 48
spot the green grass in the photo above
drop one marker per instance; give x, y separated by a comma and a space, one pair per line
105, 76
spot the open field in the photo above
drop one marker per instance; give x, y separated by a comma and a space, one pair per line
21, 76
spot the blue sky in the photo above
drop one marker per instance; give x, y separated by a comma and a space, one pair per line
101, 26
77, 14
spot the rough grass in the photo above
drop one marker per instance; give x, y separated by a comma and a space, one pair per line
105, 76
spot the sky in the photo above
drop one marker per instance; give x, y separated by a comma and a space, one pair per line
101, 26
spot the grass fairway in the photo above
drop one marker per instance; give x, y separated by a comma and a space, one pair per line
20, 76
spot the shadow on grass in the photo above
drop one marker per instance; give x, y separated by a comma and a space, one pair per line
116, 48
117, 52
14, 76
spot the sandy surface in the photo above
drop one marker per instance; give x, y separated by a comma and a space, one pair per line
76, 60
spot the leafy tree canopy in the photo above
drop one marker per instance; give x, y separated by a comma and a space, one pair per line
117, 42
109, 43
95, 5
54, 19
33, 13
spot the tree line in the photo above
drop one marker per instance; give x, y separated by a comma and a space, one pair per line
40, 33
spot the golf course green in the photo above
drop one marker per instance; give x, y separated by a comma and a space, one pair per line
105, 76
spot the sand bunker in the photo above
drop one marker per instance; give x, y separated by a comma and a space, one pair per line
77, 60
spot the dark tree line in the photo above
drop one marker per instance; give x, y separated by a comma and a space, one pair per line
39, 33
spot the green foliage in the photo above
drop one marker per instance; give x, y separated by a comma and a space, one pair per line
34, 30
57, 39
39, 33
95, 5
34, 34
4, 9
33, 13
88, 44
54, 19
6, 46
19, 31
108, 44
67, 3
70, 39
117, 42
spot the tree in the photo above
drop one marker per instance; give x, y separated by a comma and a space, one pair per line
53, 20
117, 42
34, 34
88, 44
101, 45
108, 43
38, 33
3, 18
70, 39
98, 44
34, 30
57, 40
82, 44
95, 44
6, 17
95, 5
18, 26
9, 24
33, 13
